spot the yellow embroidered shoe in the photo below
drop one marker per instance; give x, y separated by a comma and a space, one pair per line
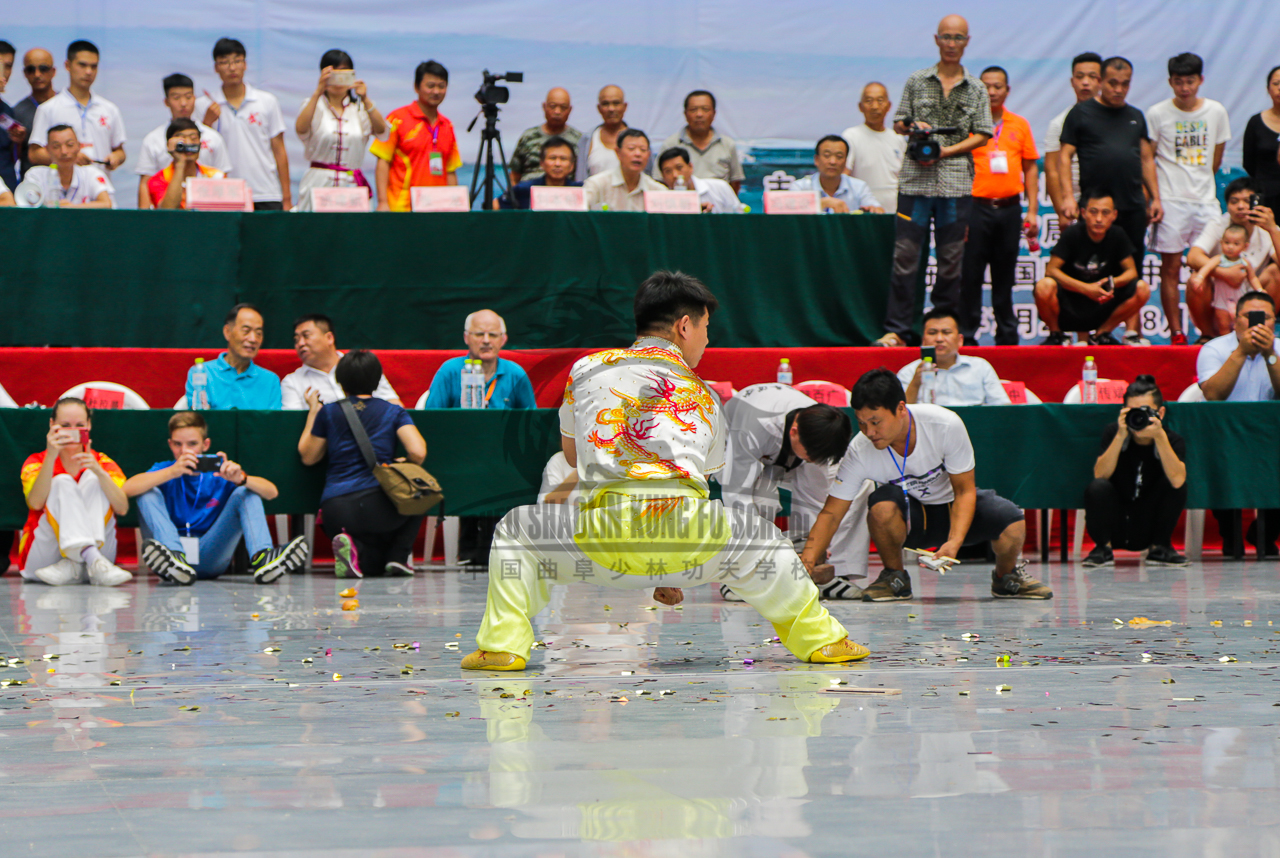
485, 660
842, 650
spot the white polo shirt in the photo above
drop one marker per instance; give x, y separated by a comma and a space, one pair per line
98, 125
610, 189
719, 193
86, 184
293, 387
155, 156
248, 133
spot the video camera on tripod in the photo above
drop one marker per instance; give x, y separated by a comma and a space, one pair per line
489, 91
922, 148
490, 95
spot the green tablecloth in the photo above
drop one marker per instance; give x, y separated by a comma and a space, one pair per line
489, 461
407, 281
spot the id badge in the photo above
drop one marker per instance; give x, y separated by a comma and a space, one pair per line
436, 164
999, 162
191, 548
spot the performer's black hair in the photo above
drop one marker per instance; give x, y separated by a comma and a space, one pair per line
666, 297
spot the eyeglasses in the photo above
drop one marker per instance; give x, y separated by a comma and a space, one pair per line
953, 39
227, 62
34, 69
485, 335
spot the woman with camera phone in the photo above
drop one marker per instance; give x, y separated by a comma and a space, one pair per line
1139, 486
335, 125
167, 188
74, 494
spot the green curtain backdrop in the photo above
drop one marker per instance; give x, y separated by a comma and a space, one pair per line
397, 281
489, 461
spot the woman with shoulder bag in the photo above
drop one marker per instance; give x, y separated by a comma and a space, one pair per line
368, 533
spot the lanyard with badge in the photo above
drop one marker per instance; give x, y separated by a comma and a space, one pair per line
191, 544
435, 161
999, 160
902, 469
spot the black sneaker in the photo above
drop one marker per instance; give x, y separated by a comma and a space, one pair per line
1019, 585
1056, 338
1103, 338
1100, 556
169, 565
395, 569
1164, 555
840, 588
893, 585
269, 565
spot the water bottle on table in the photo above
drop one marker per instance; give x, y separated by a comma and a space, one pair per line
784, 372
928, 393
199, 387
1089, 382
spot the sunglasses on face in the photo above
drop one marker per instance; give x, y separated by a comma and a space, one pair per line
34, 69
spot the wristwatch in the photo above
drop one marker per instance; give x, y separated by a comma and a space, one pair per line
1271, 358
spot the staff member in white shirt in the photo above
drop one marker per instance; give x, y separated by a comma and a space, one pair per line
314, 342
778, 437
875, 152
180, 98
249, 119
98, 124
335, 125
958, 379
72, 185
715, 195
922, 460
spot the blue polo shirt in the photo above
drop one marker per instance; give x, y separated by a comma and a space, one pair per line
509, 387
255, 389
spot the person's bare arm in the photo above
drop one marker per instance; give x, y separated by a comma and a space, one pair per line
913, 389
140, 484
560, 494
116, 159
144, 196
382, 178
39, 155
820, 535
311, 448
451, 178
172, 198
1175, 470
1093, 291
1106, 464
1051, 167
1031, 184
962, 510
102, 201
973, 141
1155, 211
1217, 387
282, 169
1068, 211
415, 446
1217, 156
569, 447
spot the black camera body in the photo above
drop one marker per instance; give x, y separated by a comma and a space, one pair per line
187, 148
1139, 418
921, 145
491, 93
1254, 201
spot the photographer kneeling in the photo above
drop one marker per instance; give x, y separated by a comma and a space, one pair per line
1140, 482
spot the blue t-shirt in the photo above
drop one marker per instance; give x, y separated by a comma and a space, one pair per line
195, 500
255, 389
348, 472
509, 387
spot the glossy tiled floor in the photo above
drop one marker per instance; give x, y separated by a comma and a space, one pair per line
227, 719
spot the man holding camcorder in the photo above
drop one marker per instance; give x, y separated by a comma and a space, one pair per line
1139, 486
947, 113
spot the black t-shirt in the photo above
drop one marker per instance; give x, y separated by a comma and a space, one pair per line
1108, 143
1090, 261
1138, 470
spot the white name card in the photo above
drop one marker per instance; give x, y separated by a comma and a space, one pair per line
790, 202
557, 199
340, 199
672, 202
447, 198
219, 195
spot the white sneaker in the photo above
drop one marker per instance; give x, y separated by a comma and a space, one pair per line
104, 573
65, 571
728, 595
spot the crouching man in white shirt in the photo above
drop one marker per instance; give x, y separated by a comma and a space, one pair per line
780, 438
922, 462
314, 342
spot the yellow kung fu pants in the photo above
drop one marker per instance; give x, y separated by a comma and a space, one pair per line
634, 543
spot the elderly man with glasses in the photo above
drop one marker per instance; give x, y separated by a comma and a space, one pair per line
505, 386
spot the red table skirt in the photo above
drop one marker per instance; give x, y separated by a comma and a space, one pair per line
158, 375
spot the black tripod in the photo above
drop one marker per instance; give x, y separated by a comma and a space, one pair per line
488, 137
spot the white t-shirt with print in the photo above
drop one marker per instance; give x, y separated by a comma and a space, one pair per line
1184, 143
941, 448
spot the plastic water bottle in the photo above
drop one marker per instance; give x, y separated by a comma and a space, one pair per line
1089, 379
680, 185
928, 382
480, 401
468, 384
784, 372
199, 387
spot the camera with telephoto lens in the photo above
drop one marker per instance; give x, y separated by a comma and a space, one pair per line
1139, 418
491, 93
186, 148
922, 148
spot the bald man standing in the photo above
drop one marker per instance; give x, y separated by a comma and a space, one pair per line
598, 151
875, 152
39, 70
526, 161
944, 95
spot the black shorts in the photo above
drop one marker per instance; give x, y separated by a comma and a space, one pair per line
269, 206
929, 526
1078, 313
